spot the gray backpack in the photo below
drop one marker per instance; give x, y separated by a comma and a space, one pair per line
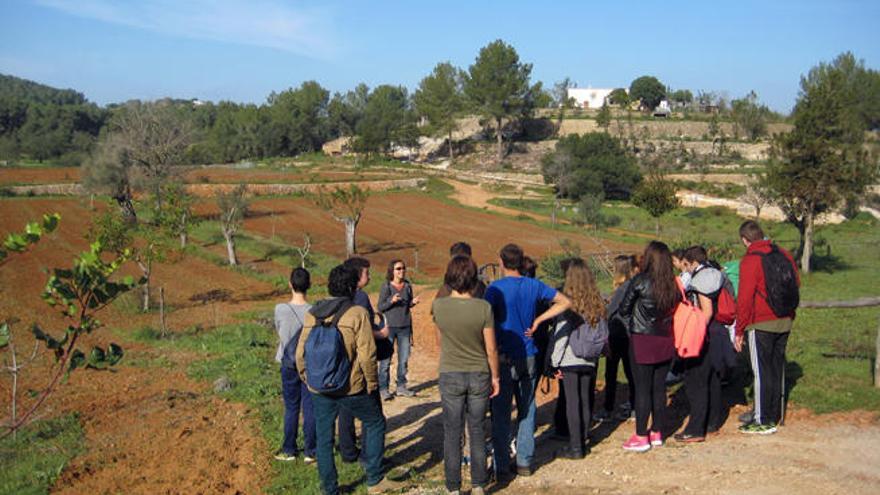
588, 342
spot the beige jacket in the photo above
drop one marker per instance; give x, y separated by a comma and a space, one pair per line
357, 336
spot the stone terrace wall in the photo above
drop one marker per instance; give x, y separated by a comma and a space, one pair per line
206, 190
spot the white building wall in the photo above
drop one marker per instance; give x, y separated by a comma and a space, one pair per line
589, 97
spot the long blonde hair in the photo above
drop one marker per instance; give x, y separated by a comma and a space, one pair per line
580, 286
624, 269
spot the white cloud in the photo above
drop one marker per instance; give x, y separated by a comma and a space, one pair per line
265, 23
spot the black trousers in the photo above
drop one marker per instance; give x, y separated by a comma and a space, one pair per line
702, 383
650, 394
618, 345
578, 386
767, 352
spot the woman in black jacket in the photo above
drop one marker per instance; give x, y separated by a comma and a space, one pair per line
649, 304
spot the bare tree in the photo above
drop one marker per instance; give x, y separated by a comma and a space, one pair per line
143, 143
757, 194
304, 250
233, 208
346, 206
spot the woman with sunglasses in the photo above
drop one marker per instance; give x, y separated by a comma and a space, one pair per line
395, 301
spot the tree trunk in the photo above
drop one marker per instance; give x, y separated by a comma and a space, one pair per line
230, 247
757, 212
808, 243
350, 241
555, 210
499, 139
128, 212
657, 226
183, 233
451, 151
146, 270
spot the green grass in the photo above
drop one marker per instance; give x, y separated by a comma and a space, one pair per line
244, 353
831, 350
33, 461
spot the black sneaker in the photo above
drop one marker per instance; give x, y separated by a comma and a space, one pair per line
570, 453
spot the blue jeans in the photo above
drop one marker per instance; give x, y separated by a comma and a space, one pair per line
519, 378
464, 394
364, 407
403, 336
297, 397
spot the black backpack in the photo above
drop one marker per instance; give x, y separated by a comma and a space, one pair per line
780, 280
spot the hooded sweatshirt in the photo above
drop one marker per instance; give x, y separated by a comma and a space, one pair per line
357, 337
751, 303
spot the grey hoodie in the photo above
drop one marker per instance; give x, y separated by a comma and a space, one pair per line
562, 355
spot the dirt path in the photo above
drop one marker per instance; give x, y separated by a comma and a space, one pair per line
832, 454
475, 196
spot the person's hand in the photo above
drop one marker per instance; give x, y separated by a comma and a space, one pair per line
381, 333
416, 300
738, 342
531, 331
395, 298
558, 375
496, 387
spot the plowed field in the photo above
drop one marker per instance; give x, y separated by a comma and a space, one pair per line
399, 225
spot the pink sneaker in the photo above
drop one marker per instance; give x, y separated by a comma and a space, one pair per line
656, 438
637, 443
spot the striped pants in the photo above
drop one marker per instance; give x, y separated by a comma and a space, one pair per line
767, 353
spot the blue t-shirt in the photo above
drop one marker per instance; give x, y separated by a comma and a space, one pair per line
513, 301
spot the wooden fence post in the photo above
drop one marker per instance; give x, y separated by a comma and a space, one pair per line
162, 311
416, 263
877, 361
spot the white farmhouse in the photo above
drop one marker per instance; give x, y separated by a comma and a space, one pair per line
589, 97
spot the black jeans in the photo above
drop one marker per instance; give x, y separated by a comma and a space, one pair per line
768, 365
618, 345
702, 383
650, 394
578, 387
464, 394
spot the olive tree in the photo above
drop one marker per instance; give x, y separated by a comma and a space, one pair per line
345, 206
233, 205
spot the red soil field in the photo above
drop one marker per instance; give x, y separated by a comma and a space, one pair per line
29, 175
396, 225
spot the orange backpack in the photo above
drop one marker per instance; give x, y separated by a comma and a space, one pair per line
688, 326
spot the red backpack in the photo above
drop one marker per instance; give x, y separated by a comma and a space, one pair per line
688, 326
725, 313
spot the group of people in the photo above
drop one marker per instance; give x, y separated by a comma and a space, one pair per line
496, 341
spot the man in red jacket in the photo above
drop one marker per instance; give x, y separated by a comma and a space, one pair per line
767, 331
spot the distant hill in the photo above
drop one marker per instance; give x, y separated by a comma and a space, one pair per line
25, 91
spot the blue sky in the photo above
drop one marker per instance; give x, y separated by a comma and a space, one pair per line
241, 50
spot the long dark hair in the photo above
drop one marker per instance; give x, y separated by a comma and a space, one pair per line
657, 266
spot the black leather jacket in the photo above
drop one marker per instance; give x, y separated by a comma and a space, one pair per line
639, 308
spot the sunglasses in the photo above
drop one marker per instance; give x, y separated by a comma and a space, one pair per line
397, 268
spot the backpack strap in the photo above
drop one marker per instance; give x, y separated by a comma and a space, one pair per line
342, 309
295, 315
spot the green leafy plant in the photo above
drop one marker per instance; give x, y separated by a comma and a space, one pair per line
78, 293
18, 242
